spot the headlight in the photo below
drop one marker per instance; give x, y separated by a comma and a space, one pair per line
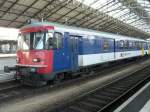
36, 60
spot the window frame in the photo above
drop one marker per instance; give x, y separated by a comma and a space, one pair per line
130, 44
108, 46
126, 44
121, 44
62, 43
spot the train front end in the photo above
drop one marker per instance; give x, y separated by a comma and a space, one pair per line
34, 55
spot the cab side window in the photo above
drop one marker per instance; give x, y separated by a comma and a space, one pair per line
58, 40
49, 41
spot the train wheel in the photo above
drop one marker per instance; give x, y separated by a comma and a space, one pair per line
59, 78
17, 77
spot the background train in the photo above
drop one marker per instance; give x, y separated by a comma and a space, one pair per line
8, 41
47, 51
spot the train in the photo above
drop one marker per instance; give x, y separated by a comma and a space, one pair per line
47, 51
8, 41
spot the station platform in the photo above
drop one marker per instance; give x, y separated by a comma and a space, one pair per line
6, 60
6, 76
7, 55
139, 102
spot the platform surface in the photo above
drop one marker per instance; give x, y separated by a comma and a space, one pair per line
146, 107
6, 61
6, 76
139, 102
7, 55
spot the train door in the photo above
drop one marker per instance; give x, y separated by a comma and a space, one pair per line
74, 51
142, 48
61, 58
108, 47
148, 44
114, 49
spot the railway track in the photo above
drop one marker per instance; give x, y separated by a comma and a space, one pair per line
10, 90
106, 98
7, 89
8, 84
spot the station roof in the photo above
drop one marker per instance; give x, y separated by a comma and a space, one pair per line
127, 17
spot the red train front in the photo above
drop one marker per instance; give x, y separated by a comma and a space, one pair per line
34, 56
45, 53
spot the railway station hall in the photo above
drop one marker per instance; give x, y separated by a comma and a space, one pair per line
74, 55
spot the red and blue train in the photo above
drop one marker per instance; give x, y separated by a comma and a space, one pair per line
47, 51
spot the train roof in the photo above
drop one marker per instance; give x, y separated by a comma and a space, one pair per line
79, 30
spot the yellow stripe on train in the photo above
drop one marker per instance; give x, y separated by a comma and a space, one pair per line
142, 51
149, 51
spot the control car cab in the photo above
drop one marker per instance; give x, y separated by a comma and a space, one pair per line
35, 50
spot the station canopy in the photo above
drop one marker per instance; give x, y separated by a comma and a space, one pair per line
127, 17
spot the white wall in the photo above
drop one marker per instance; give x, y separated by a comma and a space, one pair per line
8, 33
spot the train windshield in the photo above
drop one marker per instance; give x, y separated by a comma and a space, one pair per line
34, 41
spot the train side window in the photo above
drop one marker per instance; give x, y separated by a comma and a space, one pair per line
149, 46
130, 44
142, 45
58, 40
49, 40
133, 45
106, 44
97, 42
121, 45
137, 45
146, 45
126, 44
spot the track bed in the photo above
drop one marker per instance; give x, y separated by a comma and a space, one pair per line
102, 99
